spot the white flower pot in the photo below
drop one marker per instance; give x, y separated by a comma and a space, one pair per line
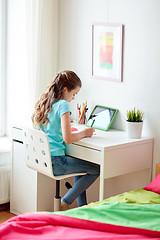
134, 129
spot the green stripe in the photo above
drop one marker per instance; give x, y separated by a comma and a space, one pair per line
124, 214
106, 65
144, 212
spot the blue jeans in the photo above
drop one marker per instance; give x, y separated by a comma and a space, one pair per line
67, 165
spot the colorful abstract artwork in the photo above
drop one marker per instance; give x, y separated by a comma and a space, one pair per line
107, 51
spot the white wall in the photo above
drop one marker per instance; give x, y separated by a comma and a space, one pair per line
141, 57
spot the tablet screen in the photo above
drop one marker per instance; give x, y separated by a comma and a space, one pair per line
102, 117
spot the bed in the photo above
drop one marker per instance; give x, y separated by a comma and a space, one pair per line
131, 215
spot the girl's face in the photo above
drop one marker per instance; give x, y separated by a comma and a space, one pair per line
70, 95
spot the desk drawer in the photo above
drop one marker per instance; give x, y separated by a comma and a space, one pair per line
129, 159
83, 153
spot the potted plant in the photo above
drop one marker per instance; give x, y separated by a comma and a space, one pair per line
134, 123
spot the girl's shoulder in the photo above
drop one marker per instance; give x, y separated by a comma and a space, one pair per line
61, 102
60, 105
59, 108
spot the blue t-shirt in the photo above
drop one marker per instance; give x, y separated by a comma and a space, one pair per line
53, 128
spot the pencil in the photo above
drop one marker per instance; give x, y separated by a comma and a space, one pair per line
92, 123
84, 106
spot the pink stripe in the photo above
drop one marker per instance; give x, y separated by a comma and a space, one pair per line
51, 226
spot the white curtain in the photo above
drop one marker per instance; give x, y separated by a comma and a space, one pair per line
32, 43
42, 42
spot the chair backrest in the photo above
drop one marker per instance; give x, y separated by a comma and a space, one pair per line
37, 151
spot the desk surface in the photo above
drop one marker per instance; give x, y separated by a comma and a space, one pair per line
104, 140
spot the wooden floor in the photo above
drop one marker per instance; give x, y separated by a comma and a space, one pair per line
5, 213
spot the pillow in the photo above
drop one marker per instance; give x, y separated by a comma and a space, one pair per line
154, 186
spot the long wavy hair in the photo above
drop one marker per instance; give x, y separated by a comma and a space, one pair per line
54, 92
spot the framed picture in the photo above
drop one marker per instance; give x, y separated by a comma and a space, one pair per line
107, 51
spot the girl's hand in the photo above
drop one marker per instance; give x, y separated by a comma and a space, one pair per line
70, 137
89, 131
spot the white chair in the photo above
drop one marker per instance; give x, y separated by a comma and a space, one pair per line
37, 157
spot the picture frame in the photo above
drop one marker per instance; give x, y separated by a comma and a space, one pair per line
107, 46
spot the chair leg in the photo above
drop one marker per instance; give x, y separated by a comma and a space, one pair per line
57, 198
57, 188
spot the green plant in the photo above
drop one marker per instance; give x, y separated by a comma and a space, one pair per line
135, 116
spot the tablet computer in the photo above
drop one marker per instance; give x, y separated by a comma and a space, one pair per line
102, 117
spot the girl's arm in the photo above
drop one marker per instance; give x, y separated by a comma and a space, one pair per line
70, 137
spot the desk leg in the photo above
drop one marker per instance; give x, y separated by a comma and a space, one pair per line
101, 182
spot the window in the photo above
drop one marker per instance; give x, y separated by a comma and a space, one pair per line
3, 16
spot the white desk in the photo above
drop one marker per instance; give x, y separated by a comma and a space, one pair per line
115, 153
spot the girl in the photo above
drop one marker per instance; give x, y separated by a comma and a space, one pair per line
52, 115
